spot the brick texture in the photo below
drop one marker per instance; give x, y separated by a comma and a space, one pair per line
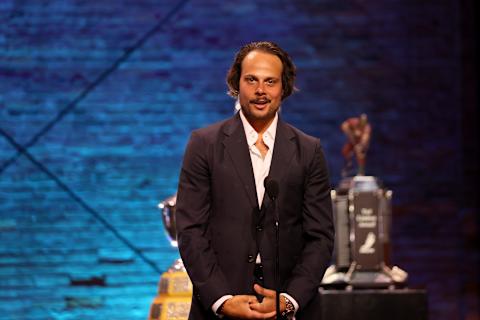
80, 233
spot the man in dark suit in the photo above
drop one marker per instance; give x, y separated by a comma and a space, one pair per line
225, 222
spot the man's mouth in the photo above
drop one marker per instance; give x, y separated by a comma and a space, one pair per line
260, 101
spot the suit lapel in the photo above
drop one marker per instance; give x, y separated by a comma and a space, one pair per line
236, 145
283, 152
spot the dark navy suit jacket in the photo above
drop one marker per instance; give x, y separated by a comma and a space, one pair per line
221, 229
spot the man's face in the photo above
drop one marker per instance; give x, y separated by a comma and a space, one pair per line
260, 86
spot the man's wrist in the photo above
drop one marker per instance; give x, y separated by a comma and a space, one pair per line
219, 304
220, 309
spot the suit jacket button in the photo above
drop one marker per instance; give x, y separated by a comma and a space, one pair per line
250, 258
259, 228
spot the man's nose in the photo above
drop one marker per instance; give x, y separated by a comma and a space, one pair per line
260, 88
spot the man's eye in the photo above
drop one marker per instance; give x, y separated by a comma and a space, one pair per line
251, 80
271, 82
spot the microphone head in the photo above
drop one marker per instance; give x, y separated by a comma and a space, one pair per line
271, 188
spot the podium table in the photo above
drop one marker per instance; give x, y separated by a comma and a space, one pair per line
367, 304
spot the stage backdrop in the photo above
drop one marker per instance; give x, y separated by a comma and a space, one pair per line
97, 100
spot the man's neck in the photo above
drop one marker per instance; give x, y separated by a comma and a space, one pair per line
261, 126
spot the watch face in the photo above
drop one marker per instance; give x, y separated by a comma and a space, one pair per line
289, 306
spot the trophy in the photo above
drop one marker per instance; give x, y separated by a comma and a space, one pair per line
175, 288
362, 217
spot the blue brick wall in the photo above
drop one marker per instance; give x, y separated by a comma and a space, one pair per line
103, 95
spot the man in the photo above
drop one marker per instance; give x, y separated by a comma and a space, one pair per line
225, 222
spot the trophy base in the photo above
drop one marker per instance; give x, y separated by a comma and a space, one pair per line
174, 294
170, 308
391, 278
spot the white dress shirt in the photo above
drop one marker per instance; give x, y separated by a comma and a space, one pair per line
260, 165
261, 168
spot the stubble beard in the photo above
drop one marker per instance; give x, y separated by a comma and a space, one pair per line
259, 118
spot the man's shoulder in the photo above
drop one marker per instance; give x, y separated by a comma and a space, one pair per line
300, 135
213, 130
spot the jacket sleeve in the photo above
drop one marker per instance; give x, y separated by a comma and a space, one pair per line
318, 232
192, 218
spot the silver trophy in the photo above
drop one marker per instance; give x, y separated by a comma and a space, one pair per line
173, 299
362, 212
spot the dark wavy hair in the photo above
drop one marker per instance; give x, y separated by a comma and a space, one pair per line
288, 73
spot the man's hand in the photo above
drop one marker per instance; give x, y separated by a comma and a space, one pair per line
267, 307
239, 307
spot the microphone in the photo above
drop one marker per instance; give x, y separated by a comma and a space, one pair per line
271, 187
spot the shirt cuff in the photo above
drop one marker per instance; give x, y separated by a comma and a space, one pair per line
219, 302
294, 302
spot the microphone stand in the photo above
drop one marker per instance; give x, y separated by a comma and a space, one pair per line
272, 189
277, 258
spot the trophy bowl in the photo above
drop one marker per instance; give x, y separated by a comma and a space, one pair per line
168, 208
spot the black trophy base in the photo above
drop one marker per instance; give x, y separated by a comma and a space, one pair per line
368, 304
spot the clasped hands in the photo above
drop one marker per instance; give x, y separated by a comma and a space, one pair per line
248, 306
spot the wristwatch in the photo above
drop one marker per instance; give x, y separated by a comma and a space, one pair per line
289, 309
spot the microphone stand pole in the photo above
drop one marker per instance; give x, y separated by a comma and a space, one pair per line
277, 259
271, 188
